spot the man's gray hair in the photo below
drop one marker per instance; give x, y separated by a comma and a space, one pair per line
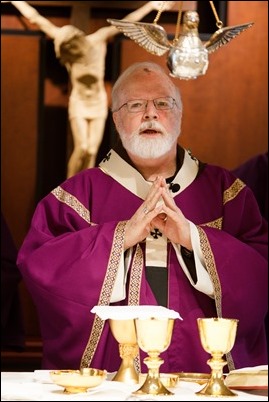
139, 66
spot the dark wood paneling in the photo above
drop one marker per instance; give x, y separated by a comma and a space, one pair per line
21, 96
20, 107
28, 360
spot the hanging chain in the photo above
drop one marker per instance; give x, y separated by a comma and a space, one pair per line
219, 23
178, 23
159, 13
178, 19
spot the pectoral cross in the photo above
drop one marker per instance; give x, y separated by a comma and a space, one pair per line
156, 233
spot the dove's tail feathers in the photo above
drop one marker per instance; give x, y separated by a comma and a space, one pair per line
224, 35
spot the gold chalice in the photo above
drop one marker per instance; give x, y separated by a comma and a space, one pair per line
124, 332
217, 337
153, 337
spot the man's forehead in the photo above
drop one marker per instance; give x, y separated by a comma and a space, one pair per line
150, 83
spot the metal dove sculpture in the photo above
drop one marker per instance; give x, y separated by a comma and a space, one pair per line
187, 55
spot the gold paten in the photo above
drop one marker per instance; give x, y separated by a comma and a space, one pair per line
199, 378
75, 381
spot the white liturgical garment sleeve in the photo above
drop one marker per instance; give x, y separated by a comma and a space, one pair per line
204, 283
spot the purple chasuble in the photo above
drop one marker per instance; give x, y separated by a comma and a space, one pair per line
71, 254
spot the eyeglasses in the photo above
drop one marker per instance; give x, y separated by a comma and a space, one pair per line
140, 105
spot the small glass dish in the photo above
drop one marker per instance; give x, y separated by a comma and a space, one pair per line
75, 381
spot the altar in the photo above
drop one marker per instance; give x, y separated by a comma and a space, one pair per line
37, 386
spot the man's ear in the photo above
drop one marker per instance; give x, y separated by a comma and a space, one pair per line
115, 118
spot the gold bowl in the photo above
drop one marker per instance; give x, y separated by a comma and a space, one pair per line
75, 381
168, 380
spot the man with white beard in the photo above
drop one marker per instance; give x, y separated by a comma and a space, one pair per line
151, 225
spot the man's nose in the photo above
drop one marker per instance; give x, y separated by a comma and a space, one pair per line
150, 111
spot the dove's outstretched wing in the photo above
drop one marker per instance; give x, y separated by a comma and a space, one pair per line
223, 35
151, 37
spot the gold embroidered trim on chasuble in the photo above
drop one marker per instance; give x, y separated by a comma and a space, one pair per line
72, 202
213, 273
211, 268
217, 223
134, 289
228, 195
105, 294
233, 191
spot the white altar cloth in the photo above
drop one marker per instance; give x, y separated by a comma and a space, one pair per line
37, 386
